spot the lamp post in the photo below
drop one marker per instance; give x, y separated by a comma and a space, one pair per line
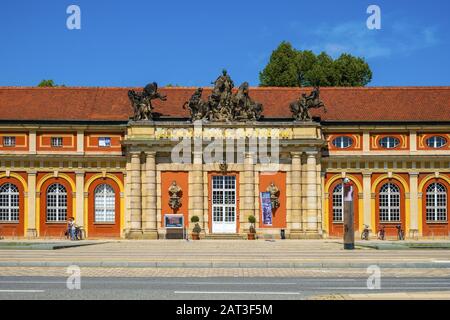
349, 232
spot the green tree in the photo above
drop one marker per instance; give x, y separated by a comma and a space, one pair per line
47, 83
352, 71
282, 70
289, 67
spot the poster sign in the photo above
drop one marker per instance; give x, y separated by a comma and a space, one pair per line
174, 221
266, 209
348, 192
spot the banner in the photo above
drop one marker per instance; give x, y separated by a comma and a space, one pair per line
266, 209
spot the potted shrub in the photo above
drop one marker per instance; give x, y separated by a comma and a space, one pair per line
197, 229
252, 230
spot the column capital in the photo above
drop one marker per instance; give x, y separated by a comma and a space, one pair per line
150, 154
413, 174
367, 174
296, 154
32, 172
79, 173
135, 154
311, 154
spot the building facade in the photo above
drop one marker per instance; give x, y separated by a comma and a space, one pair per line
84, 153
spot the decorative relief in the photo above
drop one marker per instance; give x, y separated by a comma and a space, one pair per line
423, 137
208, 133
356, 141
403, 139
174, 196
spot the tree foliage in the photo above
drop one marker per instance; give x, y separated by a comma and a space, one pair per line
289, 67
47, 83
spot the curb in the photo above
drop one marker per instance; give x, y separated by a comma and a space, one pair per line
224, 265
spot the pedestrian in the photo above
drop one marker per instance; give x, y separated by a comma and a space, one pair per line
71, 228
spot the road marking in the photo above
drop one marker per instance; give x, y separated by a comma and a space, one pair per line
241, 283
22, 291
439, 261
237, 292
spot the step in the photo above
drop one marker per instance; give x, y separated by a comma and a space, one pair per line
225, 236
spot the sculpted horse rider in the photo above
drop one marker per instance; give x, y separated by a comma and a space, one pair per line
300, 108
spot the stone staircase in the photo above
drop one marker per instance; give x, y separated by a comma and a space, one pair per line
225, 236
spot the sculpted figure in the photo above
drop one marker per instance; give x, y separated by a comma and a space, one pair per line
196, 106
300, 108
222, 105
174, 194
244, 107
142, 101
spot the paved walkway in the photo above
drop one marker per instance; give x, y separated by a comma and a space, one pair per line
223, 272
435, 295
225, 254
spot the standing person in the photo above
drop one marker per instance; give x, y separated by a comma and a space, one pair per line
71, 228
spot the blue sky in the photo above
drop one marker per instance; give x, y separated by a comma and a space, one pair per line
133, 42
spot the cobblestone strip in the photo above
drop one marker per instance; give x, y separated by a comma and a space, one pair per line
218, 272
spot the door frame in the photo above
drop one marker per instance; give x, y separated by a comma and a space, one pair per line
237, 204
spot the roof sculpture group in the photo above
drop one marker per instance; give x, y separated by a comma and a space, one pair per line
222, 105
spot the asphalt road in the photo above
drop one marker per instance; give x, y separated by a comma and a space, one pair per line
53, 288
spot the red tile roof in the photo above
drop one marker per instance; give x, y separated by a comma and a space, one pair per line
112, 104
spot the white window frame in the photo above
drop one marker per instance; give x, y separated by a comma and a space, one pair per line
12, 196
390, 196
104, 204
434, 142
9, 141
104, 142
391, 142
60, 205
338, 210
439, 202
56, 142
339, 142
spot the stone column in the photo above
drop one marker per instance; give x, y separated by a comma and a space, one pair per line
135, 197
79, 189
312, 220
294, 196
196, 191
31, 229
248, 188
413, 202
149, 212
367, 198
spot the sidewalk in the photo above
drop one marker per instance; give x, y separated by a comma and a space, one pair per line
436, 295
319, 254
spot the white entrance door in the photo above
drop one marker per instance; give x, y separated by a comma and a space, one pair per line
224, 204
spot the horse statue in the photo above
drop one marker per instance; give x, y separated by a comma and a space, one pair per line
300, 108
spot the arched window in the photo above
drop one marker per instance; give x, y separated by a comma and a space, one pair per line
436, 142
389, 142
9, 203
436, 202
105, 203
56, 203
343, 142
338, 201
389, 203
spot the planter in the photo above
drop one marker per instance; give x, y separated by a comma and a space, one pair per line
251, 236
195, 236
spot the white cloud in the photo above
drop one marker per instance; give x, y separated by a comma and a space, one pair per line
400, 38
